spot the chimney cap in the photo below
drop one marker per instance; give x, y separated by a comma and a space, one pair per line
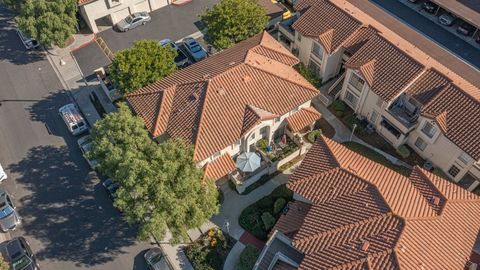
436, 200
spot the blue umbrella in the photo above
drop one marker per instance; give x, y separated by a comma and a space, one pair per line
248, 162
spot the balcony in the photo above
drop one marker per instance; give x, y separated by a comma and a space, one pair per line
285, 28
405, 112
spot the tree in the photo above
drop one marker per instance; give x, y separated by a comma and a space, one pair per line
48, 21
160, 187
231, 21
3, 264
146, 62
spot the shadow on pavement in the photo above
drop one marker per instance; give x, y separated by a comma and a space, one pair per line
11, 48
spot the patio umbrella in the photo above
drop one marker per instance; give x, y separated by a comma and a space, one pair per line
248, 162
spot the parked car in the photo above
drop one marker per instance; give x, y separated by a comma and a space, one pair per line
18, 254
73, 119
465, 29
29, 43
413, 1
181, 59
477, 39
85, 144
430, 7
447, 19
110, 187
194, 49
155, 259
133, 20
3, 174
9, 218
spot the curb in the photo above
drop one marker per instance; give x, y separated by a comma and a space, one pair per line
181, 2
85, 44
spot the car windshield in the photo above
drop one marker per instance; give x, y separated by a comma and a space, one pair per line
129, 19
196, 48
5, 212
22, 263
156, 258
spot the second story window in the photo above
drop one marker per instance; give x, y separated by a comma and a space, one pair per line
356, 82
317, 50
465, 158
429, 129
453, 171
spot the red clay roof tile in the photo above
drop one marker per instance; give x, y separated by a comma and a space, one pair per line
302, 119
219, 168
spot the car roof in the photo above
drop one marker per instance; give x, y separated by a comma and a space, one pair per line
13, 247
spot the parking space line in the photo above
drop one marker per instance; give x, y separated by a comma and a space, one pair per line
105, 49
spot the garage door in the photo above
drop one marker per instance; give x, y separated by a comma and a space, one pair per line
119, 15
158, 3
142, 6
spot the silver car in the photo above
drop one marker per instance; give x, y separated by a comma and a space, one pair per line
447, 19
85, 144
155, 259
9, 218
133, 20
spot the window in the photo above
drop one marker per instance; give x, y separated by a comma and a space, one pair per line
264, 132
299, 37
237, 143
351, 99
453, 171
317, 50
356, 82
465, 158
429, 129
314, 66
374, 117
277, 119
420, 144
253, 136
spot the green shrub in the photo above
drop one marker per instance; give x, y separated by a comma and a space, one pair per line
268, 220
339, 107
278, 205
282, 192
313, 135
309, 75
213, 260
403, 151
262, 144
247, 258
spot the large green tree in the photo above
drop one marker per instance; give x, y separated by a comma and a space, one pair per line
160, 186
231, 21
142, 64
3, 264
48, 21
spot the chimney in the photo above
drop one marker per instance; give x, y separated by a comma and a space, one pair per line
436, 200
365, 246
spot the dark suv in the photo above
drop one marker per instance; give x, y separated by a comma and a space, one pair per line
18, 254
465, 29
429, 7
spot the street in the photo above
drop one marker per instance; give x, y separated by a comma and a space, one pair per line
67, 217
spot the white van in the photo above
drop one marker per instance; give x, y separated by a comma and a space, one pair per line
3, 174
73, 119
29, 43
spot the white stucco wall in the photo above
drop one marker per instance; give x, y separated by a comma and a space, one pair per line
98, 9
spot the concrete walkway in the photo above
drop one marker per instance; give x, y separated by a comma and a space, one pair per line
233, 256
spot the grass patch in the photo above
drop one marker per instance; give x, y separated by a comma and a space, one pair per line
247, 258
309, 75
210, 250
251, 217
371, 154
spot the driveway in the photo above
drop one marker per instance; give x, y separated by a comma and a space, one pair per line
173, 22
435, 32
66, 216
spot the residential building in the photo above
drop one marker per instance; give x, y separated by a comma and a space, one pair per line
226, 103
406, 94
105, 13
353, 213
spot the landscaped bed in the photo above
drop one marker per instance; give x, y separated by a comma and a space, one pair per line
280, 154
210, 250
371, 154
259, 217
348, 118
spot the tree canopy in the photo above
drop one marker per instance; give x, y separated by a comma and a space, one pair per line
231, 21
48, 21
160, 186
3, 264
142, 64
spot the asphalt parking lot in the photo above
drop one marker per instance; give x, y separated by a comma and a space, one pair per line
165, 23
433, 31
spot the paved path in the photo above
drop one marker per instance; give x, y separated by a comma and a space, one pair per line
233, 256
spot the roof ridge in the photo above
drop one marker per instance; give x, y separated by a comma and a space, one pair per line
326, 38
162, 106
201, 119
279, 52
290, 55
285, 79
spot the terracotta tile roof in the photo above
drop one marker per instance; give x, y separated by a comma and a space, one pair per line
365, 216
457, 114
290, 223
427, 86
327, 24
218, 168
226, 95
358, 39
386, 69
302, 118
